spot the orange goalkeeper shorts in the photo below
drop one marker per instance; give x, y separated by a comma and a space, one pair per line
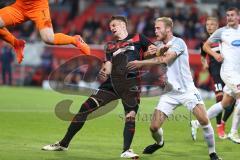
23, 10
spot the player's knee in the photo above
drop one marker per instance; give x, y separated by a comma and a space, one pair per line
48, 38
88, 106
219, 96
130, 117
2, 24
154, 128
204, 121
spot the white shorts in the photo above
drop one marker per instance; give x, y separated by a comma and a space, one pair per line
171, 100
232, 82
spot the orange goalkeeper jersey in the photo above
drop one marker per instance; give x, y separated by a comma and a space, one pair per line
22, 10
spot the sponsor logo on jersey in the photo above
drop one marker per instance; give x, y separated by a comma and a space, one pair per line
215, 44
95, 92
122, 50
236, 43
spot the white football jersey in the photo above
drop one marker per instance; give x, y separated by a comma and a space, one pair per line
178, 73
230, 47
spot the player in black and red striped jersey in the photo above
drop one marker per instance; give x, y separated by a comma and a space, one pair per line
119, 84
214, 67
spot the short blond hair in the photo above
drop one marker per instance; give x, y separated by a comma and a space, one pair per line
168, 22
212, 19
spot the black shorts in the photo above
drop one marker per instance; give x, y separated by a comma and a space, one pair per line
218, 83
106, 93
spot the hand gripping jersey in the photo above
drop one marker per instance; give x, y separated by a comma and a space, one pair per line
178, 73
124, 82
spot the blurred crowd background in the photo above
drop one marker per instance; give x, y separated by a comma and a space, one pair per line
89, 18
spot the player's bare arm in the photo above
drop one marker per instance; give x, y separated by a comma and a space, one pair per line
162, 50
204, 62
167, 59
207, 48
152, 49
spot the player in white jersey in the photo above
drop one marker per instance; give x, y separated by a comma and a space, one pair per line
183, 92
229, 37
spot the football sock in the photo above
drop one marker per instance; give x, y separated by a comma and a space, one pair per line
236, 118
214, 110
208, 134
128, 134
78, 121
228, 112
219, 116
62, 39
158, 136
7, 36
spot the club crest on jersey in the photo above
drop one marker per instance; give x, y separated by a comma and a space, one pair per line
236, 43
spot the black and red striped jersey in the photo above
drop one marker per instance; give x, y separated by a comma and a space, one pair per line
214, 66
120, 52
133, 46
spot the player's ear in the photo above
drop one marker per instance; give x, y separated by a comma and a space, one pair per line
124, 25
168, 29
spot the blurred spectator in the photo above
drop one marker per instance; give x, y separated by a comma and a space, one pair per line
74, 9
179, 14
98, 37
4, 3
141, 24
190, 31
170, 5
73, 30
47, 63
92, 24
131, 27
26, 30
87, 36
6, 59
111, 2
178, 29
123, 10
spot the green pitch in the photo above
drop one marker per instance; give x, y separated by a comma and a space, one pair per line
28, 122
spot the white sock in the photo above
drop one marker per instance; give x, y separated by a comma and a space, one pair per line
158, 136
214, 110
208, 134
197, 123
236, 118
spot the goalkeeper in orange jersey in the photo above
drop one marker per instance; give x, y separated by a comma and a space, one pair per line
38, 12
